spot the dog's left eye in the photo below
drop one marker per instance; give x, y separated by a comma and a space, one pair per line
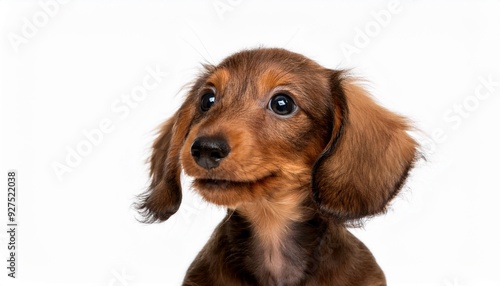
207, 100
282, 104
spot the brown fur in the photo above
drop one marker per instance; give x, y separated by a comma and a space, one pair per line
291, 184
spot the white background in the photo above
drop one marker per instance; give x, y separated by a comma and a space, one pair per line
65, 66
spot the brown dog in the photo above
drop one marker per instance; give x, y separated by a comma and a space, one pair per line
295, 152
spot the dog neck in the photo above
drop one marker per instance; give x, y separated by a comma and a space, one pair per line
280, 251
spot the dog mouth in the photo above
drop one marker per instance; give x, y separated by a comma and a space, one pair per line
220, 184
223, 184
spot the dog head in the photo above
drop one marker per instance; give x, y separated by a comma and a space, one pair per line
268, 121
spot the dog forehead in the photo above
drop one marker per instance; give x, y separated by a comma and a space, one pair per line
242, 81
270, 63
256, 72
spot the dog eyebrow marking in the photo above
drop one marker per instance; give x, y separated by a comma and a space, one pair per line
219, 79
273, 77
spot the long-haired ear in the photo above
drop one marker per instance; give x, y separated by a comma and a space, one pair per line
163, 197
368, 157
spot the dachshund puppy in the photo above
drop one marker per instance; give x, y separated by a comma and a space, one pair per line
296, 152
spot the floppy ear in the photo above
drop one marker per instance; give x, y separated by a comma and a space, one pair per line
164, 195
368, 157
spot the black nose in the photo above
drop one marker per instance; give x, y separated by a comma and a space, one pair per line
209, 151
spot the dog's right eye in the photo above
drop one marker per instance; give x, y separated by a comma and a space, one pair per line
282, 104
207, 100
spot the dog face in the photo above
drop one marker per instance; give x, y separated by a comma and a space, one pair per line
267, 122
255, 128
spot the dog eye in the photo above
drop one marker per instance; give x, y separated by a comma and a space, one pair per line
282, 104
207, 100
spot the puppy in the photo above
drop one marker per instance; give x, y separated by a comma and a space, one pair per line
296, 152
